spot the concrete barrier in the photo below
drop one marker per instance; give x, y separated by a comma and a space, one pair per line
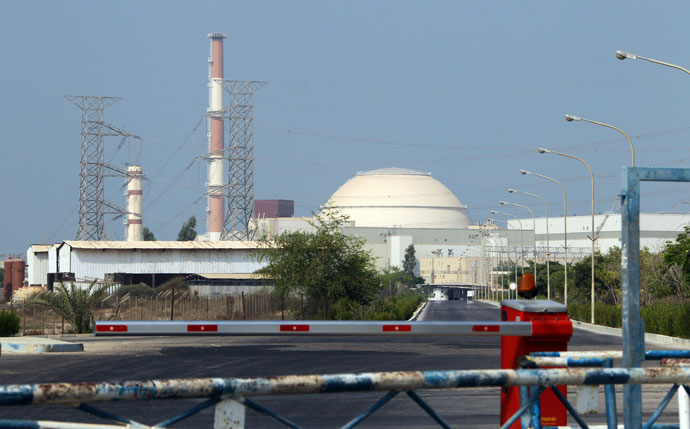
31, 345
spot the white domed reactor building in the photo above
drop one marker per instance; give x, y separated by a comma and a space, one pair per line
399, 198
391, 208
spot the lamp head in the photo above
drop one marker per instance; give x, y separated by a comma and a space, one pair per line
571, 118
542, 150
622, 55
494, 212
511, 190
523, 172
503, 203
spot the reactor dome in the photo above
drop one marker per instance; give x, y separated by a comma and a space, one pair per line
398, 197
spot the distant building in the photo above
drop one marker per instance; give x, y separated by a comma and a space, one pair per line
273, 208
210, 266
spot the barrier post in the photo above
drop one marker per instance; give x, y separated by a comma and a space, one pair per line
551, 331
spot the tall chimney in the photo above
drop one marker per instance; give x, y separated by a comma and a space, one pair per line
216, 162
134, 197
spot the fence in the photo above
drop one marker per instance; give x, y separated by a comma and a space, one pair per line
230, 395
37, 320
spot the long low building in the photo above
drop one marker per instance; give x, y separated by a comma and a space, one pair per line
150, 262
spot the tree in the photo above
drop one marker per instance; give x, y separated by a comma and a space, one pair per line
188, 231
395, 277
324, 266
677, 254
410, 262
148, 234
75, 304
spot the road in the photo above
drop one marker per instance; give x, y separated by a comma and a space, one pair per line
117, 359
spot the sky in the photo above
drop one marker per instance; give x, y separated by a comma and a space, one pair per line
466, 91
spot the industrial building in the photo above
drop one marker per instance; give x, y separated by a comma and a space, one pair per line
388, 208
221, 264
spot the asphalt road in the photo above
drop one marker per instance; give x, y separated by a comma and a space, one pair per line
118, 359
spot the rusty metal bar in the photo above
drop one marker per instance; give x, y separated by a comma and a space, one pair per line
70, 393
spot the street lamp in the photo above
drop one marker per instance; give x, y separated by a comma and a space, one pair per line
571, 118
515, 265
593, 237
534, 231
522, 241
548, 255
622, 55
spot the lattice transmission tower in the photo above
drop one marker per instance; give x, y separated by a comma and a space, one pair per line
92, 171
240, 155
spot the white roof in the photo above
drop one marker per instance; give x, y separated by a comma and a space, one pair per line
399, 197
38, 248
162, 245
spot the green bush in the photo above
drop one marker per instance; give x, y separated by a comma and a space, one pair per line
135, 291
665, 318
9, 323
604, 314
398, 307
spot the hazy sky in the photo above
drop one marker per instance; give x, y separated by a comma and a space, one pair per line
464, 90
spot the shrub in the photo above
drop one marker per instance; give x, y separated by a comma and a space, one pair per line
397, 307
9, 323
604, 314
135, 291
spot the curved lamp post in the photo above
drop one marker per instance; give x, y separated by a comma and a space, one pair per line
515, 265
622, 55
548, 254
534, 232
522, 241
565, 229
571, 118
593, 236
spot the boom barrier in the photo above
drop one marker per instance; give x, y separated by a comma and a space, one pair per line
213, 327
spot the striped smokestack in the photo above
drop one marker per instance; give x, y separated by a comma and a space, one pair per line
216, 163
134, 197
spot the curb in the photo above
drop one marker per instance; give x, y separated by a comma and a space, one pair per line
416, 314
652, 338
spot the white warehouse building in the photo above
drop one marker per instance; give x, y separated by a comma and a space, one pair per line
218, 263
655, 230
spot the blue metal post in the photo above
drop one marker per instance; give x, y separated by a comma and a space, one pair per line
610, 395
633, 330
633, 326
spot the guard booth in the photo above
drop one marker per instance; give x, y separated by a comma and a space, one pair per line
551, 331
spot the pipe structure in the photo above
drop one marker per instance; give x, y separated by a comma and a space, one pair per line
216, 158
134, 200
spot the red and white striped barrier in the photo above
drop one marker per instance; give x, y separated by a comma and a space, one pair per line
212, 327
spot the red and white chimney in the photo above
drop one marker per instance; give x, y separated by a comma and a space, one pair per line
216, 161
134, 196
